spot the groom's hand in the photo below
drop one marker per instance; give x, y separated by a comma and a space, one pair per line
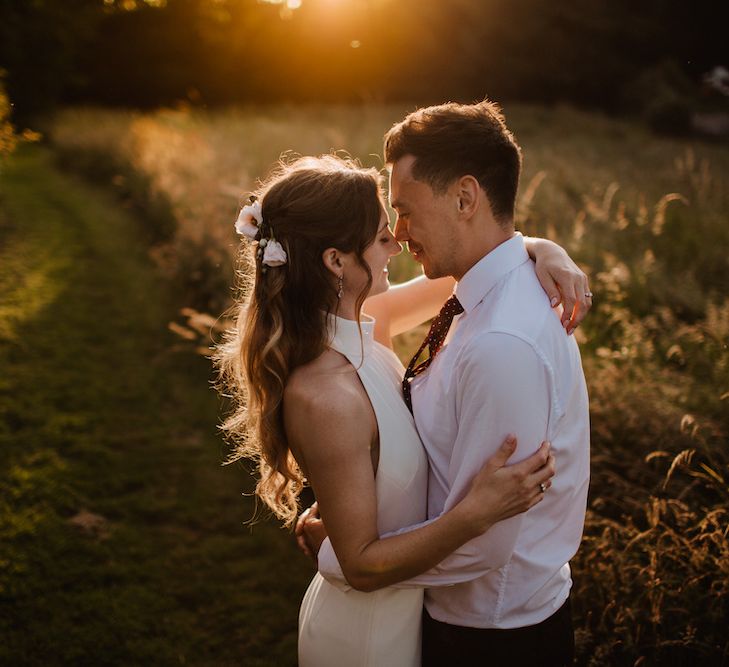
299, 530
310, 532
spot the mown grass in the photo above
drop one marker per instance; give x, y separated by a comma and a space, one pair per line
122, 538
646, 217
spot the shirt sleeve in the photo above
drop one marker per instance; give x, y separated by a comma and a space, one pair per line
329, 568
503, 387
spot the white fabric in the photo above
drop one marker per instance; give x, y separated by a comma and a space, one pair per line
342, 626
508, 367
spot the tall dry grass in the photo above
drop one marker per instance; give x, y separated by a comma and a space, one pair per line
186, 172
646, 217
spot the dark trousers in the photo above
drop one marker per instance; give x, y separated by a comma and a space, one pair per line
550, 643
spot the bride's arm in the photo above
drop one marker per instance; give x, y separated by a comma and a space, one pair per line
562, 280
411, 303
327, 429
406, 305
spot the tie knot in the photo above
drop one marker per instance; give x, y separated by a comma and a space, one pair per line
452, 307
442, 323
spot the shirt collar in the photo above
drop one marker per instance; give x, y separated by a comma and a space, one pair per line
485, 273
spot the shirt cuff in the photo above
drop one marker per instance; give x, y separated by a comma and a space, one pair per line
329, 567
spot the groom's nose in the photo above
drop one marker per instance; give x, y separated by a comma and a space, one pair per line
401, 231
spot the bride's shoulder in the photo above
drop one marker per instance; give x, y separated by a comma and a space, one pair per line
328, 386
328, 366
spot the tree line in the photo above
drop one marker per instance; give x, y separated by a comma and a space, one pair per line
146, 53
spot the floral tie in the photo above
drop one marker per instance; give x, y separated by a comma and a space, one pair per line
434, 341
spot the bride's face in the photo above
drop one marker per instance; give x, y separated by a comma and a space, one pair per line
377, 256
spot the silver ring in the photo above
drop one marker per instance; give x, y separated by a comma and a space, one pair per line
542, 488
588, 295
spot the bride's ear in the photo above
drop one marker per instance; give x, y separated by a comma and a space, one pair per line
333, 260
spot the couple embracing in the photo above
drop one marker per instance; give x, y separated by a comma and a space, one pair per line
430, 546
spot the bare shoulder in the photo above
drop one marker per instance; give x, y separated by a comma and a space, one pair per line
323, 397
324, 377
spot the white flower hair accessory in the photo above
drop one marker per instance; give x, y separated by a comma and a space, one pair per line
249, 220
250, 225
273, 253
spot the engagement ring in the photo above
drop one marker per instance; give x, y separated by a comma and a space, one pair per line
542, 488
588, 295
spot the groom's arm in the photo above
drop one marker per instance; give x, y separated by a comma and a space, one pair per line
504, 388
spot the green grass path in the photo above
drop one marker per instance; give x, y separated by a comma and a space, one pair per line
99, 415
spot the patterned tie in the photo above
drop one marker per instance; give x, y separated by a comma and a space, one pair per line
434, 341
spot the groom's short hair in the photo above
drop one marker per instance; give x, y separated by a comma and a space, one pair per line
453, 140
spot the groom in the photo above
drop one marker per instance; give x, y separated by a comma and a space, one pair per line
503, 598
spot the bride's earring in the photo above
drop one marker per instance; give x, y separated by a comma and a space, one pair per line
340, 286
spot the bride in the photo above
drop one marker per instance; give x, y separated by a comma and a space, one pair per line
317, 399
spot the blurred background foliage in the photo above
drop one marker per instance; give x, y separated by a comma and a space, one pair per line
146, 53
8, 139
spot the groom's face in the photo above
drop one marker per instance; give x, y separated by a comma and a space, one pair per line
424, 219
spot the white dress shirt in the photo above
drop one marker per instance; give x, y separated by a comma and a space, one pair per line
508, 367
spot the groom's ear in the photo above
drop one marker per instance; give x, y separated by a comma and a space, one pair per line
468, 191
332, 259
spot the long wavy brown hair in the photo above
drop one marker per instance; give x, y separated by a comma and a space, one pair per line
310, 204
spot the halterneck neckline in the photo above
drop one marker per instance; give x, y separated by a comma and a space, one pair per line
344, 336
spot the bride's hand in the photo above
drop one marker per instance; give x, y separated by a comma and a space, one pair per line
562, 280
499, 491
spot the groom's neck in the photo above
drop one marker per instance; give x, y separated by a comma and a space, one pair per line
475, 245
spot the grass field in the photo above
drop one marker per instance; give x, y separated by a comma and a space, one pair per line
122, 538
646, 217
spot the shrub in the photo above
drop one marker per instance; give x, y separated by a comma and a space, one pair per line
8, 139
670, 116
